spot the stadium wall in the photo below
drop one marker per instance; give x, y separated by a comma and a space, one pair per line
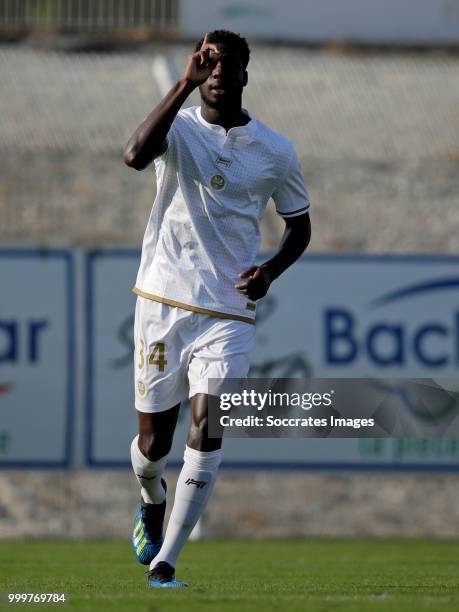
379, 145
249, 504
411, 22
81, 421
365, 21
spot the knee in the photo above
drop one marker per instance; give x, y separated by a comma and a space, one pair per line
153, 447
198, 437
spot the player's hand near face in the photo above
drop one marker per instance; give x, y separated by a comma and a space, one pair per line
149, 139
201, 63
257, 284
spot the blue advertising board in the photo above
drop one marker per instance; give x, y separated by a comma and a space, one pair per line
327, 316
37, 358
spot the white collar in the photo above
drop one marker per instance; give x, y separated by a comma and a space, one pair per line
243, 130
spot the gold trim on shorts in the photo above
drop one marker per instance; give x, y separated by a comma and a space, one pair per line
213, 313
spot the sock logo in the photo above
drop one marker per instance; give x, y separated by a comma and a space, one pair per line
200, 484
146, 477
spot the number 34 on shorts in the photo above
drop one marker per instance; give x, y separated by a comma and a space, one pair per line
157, 356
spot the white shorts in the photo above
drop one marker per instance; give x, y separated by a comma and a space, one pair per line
177, 350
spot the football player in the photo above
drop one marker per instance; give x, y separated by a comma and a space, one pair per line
197, 285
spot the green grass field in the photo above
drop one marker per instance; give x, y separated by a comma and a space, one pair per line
308, 575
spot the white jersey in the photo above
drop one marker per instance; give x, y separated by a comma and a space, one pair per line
204, 227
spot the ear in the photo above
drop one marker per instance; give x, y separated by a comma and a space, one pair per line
245, 79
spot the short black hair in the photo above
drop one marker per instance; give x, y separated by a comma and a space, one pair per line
231, 39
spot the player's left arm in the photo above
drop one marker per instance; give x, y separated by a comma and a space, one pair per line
295, 240
292, 204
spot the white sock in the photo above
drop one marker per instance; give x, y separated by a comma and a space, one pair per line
194, 487
148, 473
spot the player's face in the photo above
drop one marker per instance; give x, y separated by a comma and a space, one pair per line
224, 86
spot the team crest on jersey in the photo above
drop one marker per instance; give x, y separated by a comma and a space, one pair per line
141, 387
217, 182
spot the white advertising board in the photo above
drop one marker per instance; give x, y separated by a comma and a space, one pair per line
36, 358
327, 316
392, 21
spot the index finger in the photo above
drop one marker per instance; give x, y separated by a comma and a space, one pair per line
207, 45
205, 41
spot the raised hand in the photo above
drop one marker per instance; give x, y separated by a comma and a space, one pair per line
201, 63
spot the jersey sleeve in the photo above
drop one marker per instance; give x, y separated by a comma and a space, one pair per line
170, 141
291, 195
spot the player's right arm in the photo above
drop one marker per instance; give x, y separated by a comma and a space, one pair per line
149, 139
